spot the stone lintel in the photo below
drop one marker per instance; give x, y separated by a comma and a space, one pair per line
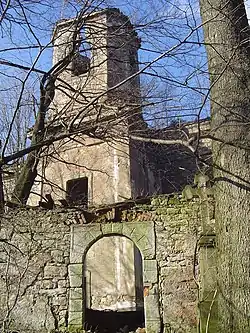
141, 233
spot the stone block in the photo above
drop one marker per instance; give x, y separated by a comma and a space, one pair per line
57, 256
81, 238
147, 250
75, 293
151, 302
55, 270
177, 274
150, 271
62, 284
63, 301
75, 319
152, 307
55, 300
143, 235
152, 313
153, 326
75, 275
75, 305
117, 228
106, 228
94, 230
47, 284
130, 230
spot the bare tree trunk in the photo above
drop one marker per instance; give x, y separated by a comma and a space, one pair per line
226, 33
28, 172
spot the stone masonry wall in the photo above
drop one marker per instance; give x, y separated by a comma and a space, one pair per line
34, 256
178, 226
35, 264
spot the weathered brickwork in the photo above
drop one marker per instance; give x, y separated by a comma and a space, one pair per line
43, 251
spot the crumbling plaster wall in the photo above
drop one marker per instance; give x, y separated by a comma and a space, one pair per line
105, 165
41, 241
112, 44
114, 173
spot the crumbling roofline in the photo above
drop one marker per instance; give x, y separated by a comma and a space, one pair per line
67, 22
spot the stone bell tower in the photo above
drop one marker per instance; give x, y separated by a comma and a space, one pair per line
105, 55
99, 89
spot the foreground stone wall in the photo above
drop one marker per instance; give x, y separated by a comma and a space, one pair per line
177, 228
42, 254
34, 258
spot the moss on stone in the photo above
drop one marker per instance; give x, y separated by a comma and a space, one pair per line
175, 200
168, 211
155, 201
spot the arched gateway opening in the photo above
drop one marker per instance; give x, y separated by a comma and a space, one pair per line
85, 279
113, 286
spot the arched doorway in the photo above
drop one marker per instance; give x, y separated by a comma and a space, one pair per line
83, 237
113, 283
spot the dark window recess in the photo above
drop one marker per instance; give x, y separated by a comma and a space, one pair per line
80, 64
77, 191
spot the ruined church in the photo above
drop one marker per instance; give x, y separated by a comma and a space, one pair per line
118, 252
99, 94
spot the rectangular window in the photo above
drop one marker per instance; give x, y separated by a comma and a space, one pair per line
77, 191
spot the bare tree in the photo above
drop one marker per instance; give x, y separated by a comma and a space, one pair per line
174, 88
160, 104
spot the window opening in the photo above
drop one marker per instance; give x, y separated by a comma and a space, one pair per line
81, 60
77, 191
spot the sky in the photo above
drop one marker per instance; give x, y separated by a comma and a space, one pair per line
248, 8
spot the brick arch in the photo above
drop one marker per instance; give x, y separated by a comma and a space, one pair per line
143, 236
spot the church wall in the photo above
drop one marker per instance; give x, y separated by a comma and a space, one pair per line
114, 167
108, 39
106, 164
